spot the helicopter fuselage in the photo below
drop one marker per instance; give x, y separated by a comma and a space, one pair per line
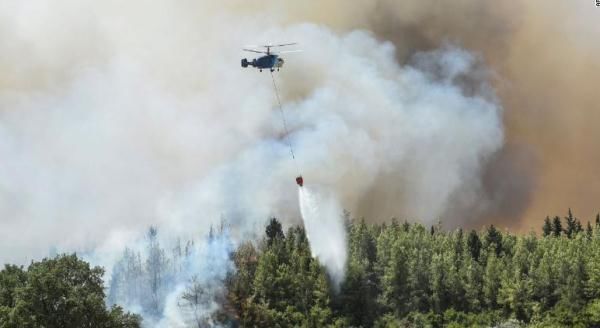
270, 61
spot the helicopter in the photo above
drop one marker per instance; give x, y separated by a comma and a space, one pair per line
271, 60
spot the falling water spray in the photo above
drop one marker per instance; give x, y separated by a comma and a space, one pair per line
323, 221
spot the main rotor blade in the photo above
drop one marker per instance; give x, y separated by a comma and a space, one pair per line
288, 51
257, 51
283, 44
271, 45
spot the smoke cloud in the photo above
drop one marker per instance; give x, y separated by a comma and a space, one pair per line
544, 60
545, 65
200, 285
115, 116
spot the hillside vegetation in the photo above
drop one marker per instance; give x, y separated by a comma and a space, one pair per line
409, 275
397, 275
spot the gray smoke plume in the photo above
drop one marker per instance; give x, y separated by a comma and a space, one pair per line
114, 117
177, 284
143, 117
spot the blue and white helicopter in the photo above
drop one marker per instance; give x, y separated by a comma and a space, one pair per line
271, 60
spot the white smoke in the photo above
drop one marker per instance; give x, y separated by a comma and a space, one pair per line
176, 284
203, 281
116, 116
323, 221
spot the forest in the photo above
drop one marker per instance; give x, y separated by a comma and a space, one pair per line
398, 275
408, 275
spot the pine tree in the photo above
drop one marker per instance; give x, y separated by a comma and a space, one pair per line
274, 231
356, 301
556, 226
419, 274
405, 226
493, 239
195, 299
458, 248
320, 310
474, 245
362, 283
491, 281
515, 294
574, 278
394, 280
578, 226
473, 283
240, 284
571, 228
156, 270
438, 289
544, 281
394, 225
547, 228
593, 271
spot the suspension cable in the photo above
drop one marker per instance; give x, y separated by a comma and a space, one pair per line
285, 128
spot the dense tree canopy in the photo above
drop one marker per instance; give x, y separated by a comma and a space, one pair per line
61, 292
397, 275
410, 275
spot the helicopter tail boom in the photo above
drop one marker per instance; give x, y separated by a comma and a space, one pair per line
246, 63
